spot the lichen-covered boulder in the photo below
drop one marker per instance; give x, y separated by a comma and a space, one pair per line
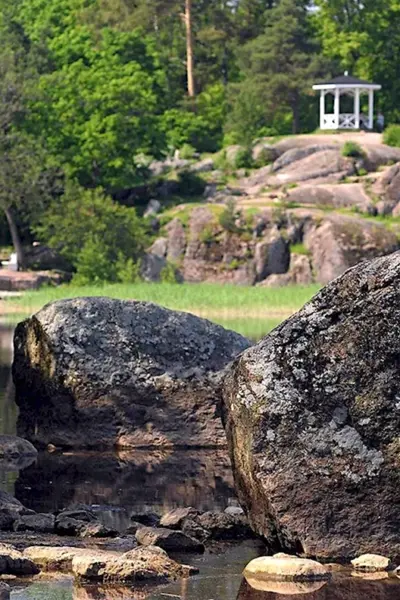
312, 415
98, 372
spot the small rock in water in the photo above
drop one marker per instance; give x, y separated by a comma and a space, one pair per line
168, 539
285, 567
39, 523
149, 519
97, 530
142, 564
174, 519
371, 562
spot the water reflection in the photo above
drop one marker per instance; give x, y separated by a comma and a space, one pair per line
8, 408
341, 587
139, 481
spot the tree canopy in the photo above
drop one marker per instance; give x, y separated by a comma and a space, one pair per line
92, 91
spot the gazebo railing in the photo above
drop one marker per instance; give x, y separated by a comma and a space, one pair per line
347, 121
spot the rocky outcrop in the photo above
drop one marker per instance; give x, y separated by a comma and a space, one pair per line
341, 242
345, 195
312, 419
300, 273
295, 154
114, 373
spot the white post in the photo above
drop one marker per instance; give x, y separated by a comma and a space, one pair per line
337, 107
371, 109
322, 110
357, 107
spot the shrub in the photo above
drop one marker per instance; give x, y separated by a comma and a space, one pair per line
187, 151
92, 232
391, 135
243, 159
127, 270
92, 264
207, 235
168, 274
227, 219
353, 150
190, 184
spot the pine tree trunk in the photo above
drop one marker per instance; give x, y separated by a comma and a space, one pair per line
296, 117
16, 240
189, 49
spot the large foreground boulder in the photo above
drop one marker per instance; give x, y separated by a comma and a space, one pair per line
312, 416
98, 372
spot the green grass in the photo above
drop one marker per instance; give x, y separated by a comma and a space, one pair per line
299, 249
252, 311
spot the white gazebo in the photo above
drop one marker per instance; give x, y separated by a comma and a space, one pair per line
345, 85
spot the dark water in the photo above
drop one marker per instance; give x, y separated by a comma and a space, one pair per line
125, 483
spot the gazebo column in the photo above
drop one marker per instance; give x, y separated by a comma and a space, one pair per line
371, 109
357, 108
337, 107
322, 110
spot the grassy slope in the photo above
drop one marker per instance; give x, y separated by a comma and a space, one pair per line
253, 311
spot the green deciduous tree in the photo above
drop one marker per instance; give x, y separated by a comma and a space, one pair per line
83, 223
22, 184
364, 38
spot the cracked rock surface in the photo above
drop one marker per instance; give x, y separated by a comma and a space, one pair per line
312, 415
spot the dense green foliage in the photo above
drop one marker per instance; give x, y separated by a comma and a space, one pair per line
93, 91
391, 136
102, 239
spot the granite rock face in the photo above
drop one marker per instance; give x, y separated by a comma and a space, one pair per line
98, 372
342, 242
312, 415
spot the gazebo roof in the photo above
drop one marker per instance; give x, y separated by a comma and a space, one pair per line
346, 81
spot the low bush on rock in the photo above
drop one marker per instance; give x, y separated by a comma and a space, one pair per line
352, 150
391, 136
